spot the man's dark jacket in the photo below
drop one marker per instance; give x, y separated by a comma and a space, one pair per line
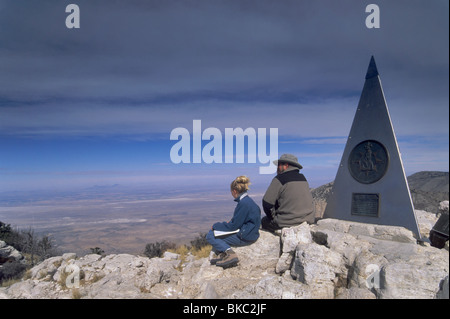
288, 200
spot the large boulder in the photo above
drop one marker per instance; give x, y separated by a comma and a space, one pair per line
387, 260
9, 253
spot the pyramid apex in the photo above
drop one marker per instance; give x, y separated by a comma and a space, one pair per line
372, 70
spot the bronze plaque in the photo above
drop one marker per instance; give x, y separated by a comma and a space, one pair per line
365, 204
368, 162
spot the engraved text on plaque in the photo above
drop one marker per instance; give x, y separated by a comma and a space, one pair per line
365, 204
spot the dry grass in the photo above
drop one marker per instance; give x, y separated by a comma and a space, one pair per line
202, 252
184, 251
9, 282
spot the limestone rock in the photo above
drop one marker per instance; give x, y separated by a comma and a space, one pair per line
3, 294
319, 267
330, 259
355, 293
9, 253
383, 232
443, 207
276, 287
403, 280
290, 238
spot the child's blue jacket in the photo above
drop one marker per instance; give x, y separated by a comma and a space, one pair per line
246, 218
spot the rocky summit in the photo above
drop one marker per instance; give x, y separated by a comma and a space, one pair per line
330, 259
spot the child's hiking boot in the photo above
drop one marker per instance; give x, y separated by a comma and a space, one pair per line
219, 258
230, 260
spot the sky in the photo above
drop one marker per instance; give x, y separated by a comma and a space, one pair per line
96, 105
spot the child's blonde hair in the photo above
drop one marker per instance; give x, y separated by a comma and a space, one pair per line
240, 184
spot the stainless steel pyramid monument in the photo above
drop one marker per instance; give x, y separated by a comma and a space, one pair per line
370, 184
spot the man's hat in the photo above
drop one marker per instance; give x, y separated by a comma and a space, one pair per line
290, 159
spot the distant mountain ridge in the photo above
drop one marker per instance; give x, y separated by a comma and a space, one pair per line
430, 181
428, 189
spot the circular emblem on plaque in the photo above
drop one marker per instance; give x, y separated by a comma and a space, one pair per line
368, 162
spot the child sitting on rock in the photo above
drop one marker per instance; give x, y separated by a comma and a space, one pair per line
246, 221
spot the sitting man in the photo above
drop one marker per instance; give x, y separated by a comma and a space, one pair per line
288, 200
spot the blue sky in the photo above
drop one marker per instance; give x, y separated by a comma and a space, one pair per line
96, 105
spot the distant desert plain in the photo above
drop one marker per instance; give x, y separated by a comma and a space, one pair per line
117, 219
122, 219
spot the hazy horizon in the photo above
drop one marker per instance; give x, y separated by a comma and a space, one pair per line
118, 218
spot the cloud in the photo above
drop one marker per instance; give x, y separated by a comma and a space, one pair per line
135, 70
86, 119
152, 49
